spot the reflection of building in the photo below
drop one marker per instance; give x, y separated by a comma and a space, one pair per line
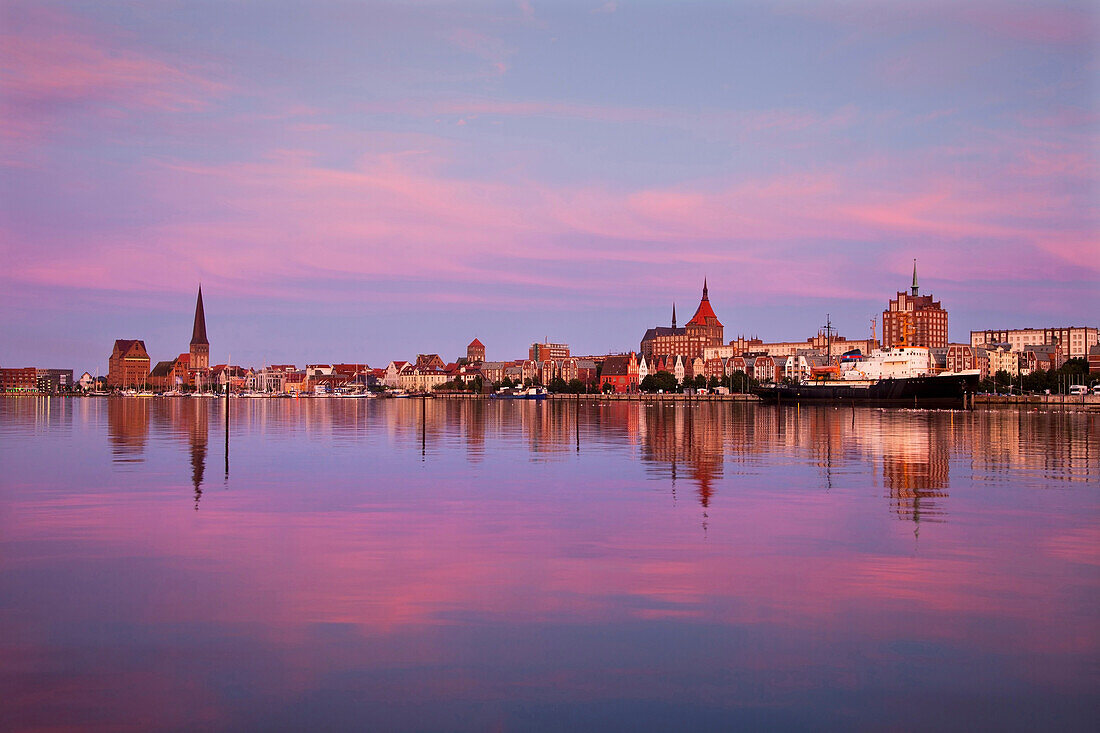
914, 320
128, 365
686, 442
127, 428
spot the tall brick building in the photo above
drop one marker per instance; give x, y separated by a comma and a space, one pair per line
475, 352
128, 365
200, 347
912, 319
702, 331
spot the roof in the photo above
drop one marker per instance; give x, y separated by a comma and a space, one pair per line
198, 333
663, 331
704, 314
124, 345
616, 366
477, 343
162, 369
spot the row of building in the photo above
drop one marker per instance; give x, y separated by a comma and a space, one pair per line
696, 349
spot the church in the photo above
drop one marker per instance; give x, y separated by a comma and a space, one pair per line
703, 330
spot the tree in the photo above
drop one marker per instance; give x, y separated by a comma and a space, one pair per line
648, 384
608, 388
699, 381
664, 381
478, 384
507, 383
576, 386
557, 384
712, 382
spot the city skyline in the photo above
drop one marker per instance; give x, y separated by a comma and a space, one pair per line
366, 182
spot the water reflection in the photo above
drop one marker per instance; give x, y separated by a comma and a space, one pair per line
481, 565
678, 442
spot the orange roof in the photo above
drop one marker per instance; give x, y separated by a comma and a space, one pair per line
704, 314
476, 342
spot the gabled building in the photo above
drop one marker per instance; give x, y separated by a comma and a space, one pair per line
620, 372
702, 331
475, 352
128, 365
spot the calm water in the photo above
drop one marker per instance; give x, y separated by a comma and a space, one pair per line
449, 565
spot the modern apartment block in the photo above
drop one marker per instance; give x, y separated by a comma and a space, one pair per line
1076, 341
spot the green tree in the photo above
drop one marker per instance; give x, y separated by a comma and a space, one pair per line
608, 388
664, 381
576, 386
557, 384
712, 382
648, 384
507, 383
699, 381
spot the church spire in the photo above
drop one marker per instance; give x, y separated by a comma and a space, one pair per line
705, 296
914, 277
674, 314
198, 335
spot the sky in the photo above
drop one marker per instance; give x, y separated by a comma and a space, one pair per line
365, 181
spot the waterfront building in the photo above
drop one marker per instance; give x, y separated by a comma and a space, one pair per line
961, 358
620, 372
1041, 357
1076, 341
643, 369
702, 331
1002, 358
742, 346
20, 379
542, 352
54, 381
128, 365
86, 382
475, 352
200, 347
393, 373
1094, 360
912, 319
426, 362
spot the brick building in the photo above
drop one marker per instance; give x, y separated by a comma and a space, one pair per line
542, 352
475, 352
621, 372
19, 379
702, 331
912, 319
128, 365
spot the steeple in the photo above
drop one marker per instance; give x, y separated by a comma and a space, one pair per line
705, 297
914, 277
674, 314
198, 335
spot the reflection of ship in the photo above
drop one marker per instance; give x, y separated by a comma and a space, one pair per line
900, 376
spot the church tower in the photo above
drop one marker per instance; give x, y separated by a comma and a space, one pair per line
704, 325
200, 347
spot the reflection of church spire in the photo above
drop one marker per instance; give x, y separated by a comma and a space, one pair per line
198, 439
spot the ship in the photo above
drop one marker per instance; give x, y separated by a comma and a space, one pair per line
901, 377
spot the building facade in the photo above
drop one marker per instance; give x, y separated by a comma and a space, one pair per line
1076, 341
128, 365
912, 319
542, 352
475, 352
702, 331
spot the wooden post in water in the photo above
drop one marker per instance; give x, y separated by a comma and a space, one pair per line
227, 418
